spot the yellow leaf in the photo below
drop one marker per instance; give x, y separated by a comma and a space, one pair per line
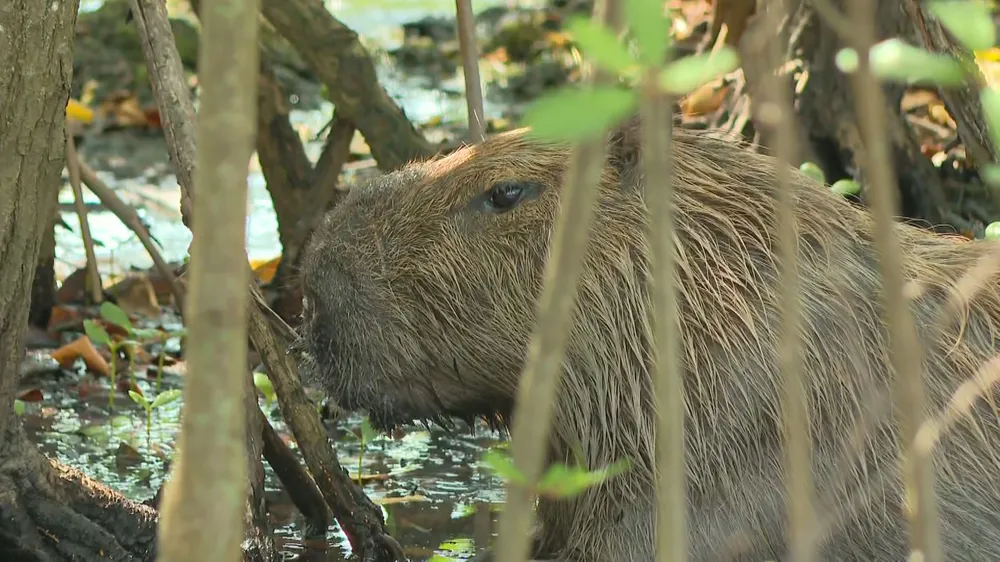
76, 111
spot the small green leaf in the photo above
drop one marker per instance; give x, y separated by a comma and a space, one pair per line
970, 21
578, 114
687, 74
19, 407
179, 332
993, 230
368, 433
600, 45
990, 174
165, 397
263, 383
846, 60
112, 313
846, 186
989, 97
139, 399
146, 334
503, 466
96, 332
563, 481
812, 170
893, 59
651, 29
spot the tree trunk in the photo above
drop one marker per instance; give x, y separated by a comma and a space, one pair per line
43, 289
827, 121
47, 511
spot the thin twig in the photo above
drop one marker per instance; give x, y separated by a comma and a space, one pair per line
470, 68
777, 111
130, 218
93, 275
907, 358
536, 390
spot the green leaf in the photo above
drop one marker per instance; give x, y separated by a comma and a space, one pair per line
687, 74
562, 481
970, 21
96, 332
165, 397
146, 334
263, 383
846, 60
112, 313
19, 407
846, 187
651, 29
990, 174
578, 114
896, 60
989, 97
503, 466
368, 433
139, 399
993, 230
599, 45
812, 170
181, 332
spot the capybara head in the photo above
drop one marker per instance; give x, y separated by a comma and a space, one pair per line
419, 287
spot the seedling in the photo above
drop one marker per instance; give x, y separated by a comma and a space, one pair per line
263, 384
161, 400
368, 434
560, 480
18, 407
99, 336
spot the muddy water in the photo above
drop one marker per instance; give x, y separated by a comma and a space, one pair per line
435, 477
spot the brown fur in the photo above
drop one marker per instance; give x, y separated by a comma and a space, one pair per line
421, 307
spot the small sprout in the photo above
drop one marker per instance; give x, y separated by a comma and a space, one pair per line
18, 407
139, 399
812, 170
146, 334
970, 21
114, 314
687, 74
96, 332
263, 384
368, 433
846, 187
179, 332
993, 230
164, 398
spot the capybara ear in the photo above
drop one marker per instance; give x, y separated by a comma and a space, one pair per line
625, 143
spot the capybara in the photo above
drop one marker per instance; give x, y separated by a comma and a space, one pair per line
420, 293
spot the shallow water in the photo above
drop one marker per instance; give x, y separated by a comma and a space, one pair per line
74, 424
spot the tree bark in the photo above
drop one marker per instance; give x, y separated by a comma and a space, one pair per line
333, 51
47, 511
827, 121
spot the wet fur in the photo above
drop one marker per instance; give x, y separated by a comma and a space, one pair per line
419, 307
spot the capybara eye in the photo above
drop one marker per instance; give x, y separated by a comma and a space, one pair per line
506, 195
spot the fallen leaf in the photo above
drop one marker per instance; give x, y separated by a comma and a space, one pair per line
136, 295
705, 99
401, 499
264, 270
84, 348
31, 395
